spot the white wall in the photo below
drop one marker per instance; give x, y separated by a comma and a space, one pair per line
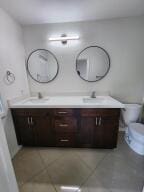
123, 39
12, 57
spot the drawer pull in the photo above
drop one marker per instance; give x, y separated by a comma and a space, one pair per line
62, 112
64, 140
63, 125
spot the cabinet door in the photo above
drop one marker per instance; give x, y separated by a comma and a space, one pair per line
99, 132
105, 132
42, 130
86, 131
25, 134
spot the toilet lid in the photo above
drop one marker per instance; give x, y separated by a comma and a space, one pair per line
137, 127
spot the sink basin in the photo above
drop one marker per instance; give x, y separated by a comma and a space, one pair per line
36, 101
93, 100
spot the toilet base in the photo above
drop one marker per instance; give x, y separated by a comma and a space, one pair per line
135, 145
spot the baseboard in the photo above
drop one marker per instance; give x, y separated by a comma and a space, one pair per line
15, 151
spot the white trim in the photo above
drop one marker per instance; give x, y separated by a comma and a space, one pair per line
7, 177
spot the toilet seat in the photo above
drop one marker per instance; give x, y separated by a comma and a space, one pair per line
136, 131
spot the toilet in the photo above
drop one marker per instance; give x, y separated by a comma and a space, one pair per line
134, 134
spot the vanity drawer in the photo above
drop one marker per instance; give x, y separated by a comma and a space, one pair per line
65, 124
65, 140
99, 112
63, 112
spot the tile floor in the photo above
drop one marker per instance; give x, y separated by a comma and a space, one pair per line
79, 170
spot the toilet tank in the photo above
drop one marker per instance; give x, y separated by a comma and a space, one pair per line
131, 113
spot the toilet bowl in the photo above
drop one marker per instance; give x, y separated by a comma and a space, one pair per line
134, 134
134, 137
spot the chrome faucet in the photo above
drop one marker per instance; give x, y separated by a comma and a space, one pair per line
93, 95
40, 95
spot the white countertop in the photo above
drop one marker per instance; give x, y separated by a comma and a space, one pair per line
67, 102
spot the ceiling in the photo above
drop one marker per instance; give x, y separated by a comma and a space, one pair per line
56, 11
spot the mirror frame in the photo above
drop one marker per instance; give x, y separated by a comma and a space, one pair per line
27, 67
109, 64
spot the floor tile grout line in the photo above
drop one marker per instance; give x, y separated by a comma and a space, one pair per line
94, 170
35, 175
91, 173
30, 178
50, 176
52, 162
77, 155
47, 172
46, 166
87, 164
51, 181
61, 156
84, 162
108, 154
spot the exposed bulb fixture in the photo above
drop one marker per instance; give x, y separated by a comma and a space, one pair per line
64, 38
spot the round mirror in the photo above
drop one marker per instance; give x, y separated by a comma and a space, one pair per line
92, 63
42, 66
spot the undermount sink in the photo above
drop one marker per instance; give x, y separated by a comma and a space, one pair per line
36, 100
93, 100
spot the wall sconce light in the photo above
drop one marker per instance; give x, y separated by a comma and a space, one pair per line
64, 38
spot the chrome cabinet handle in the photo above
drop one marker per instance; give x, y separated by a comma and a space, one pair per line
99, 121
96, 121
62, 112
31, 121
63, 125
28, 121
64, 140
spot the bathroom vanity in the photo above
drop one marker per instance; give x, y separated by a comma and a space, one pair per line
67, 122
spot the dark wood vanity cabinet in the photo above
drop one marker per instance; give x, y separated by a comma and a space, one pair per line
24, 131
96, 128
99, 127
33, 127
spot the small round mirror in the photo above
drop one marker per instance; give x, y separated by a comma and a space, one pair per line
42, 66
92, 63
